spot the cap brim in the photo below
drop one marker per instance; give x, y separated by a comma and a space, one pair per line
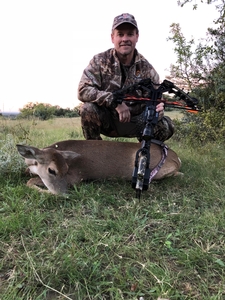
114, 27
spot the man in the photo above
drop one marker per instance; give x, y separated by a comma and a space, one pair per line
109, 71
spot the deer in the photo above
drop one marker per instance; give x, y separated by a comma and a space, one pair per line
67, 163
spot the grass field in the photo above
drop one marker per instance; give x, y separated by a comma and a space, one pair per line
100, 242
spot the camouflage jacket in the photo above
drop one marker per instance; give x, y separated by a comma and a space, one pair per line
103, 76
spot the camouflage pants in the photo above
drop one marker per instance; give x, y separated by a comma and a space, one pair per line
96, 120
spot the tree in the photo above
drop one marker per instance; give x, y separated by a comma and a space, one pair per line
201, 67
195, 6
28, 110
44, 111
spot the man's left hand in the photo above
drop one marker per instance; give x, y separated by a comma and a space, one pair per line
160, 110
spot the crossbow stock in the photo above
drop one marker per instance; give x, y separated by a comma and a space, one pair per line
154, 92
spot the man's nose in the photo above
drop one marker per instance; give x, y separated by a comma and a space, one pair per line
125, 37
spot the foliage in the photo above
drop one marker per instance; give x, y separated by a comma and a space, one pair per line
193, 66
45, 111
195, 5
10, 162
199, 129
201, 69
11, 133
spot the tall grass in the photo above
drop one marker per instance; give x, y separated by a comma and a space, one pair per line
100, 242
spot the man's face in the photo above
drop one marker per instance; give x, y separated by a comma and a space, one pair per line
124, 38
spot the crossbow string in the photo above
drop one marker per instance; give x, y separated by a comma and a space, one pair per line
146, 86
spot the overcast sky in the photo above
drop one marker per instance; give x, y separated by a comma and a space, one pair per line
46, 44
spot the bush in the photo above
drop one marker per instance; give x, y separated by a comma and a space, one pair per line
200, 128
10, 160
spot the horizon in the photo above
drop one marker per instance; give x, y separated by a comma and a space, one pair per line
3, 113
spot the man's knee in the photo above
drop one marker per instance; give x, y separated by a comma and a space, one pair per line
169, 125
87, 108
164, 129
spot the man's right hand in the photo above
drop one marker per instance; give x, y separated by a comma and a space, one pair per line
124, 112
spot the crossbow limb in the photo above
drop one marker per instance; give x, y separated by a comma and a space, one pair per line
146, 86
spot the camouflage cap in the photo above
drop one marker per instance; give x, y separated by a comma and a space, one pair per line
124, 18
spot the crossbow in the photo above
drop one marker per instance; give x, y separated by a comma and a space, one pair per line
154, 92
151, 94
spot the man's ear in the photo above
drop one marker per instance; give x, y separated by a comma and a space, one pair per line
137, 36
112, 37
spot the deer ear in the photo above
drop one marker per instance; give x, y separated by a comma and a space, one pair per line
69, 154
28, 151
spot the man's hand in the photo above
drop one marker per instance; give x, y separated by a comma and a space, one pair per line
160, 110
124, 112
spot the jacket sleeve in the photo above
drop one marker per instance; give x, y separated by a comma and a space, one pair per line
154, 76
90, 86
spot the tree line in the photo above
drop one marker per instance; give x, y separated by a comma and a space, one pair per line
45, 111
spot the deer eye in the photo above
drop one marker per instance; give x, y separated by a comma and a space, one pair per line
51, 171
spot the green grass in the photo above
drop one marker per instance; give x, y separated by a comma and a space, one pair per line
100, 242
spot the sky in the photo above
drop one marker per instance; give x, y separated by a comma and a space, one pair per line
46, 44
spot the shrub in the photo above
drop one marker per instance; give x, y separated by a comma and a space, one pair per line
10, 160
199, 128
